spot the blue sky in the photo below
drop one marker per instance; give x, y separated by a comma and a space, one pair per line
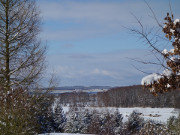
88, 44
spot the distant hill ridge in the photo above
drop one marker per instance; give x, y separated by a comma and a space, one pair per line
81, 87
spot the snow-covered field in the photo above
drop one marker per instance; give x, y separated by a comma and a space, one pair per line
158, 114
63, 134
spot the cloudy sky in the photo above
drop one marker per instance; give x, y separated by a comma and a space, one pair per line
88, 43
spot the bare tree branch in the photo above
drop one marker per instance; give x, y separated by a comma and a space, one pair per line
21, 52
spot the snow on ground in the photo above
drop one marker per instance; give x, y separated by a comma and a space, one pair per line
63, 134
158, 114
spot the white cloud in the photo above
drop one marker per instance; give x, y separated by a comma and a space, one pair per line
112, 13
92, 19
103, 69
101, 72
70, 20
75, 72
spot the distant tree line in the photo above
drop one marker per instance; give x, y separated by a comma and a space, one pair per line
130, 96
136, 96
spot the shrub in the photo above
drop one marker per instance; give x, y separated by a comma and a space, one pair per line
18, 112
173, 124
135, 122
154, 128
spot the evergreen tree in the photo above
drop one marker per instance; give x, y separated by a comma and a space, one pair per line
95, 125
118, 124
74, 122
135, 122
69, 124
106, 123
59, 118
45, 115
86, 121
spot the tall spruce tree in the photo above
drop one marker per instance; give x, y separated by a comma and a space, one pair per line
59, 118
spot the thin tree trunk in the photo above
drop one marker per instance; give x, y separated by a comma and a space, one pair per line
7, 70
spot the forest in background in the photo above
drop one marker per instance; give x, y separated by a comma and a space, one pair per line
129, 96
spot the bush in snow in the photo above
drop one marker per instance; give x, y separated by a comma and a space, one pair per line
173, 124
135, 122
106, 124
154, 128
117, 123
18, 112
